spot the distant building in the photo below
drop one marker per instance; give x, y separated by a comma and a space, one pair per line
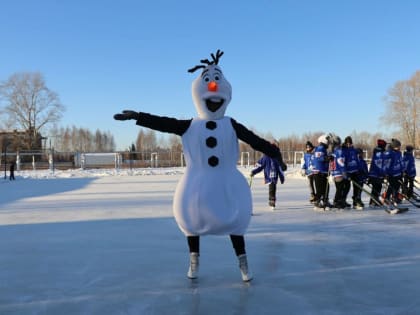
20, 141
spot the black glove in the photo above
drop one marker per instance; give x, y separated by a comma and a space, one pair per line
283, 166
126, 115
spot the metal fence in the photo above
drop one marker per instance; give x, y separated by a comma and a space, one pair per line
50, 159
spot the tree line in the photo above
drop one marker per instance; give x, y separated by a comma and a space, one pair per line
76, 139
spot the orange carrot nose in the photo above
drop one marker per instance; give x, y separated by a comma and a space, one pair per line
212, 86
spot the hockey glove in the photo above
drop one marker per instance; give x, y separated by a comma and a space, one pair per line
281, 178
283, 167
126, 115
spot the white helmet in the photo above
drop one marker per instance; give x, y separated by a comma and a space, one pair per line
335, 140
323, 139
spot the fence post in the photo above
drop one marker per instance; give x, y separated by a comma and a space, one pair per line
154, 157
17, 161
242, 158
50, 160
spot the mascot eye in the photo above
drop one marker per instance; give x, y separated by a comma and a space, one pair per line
216, 78
206, 78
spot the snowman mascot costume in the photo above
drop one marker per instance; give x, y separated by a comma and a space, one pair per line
212, 197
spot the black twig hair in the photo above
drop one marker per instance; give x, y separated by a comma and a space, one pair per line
207, 62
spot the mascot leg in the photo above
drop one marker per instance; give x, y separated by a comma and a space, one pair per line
194, 247
238, 243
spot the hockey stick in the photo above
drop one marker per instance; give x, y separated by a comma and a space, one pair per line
384, 206
416, 186
327, 190
415, 190
386, 184
417, 205
417, 195
250, 185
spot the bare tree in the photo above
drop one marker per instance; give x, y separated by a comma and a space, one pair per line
81, 139
174, 143
99, 141
146, 140
403, 108
30, 104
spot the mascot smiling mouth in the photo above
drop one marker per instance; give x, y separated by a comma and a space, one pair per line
214, 104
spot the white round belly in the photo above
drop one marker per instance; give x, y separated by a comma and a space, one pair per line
212, 197
213, 203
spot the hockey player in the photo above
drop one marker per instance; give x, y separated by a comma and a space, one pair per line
272, 174
409, 171
352, 167
338, 173
363, 171
307, 169
212, 197
320, 171
395, 172
377, 170
363, 167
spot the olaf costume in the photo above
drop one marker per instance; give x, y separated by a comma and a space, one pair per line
212, 197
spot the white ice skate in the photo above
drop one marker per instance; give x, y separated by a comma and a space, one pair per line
243, 266
193, 270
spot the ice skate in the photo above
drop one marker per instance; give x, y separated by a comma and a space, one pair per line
243, 266
358, 204
193, 270
328, 206
319, 206
312, 198
339, 205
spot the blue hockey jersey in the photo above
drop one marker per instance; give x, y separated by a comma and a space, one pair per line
307, 163
272, 170
352, 159
396, 165
378, 163
338, 164
320, 160
409, 164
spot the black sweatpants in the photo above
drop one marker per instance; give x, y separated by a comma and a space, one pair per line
311, 184
340, 193
393, 187
321, 186
272, 193
238, 243
408, 185
376, 183
357, 192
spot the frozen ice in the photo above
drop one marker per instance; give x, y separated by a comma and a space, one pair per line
105, 242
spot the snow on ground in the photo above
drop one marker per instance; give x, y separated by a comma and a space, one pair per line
105, 242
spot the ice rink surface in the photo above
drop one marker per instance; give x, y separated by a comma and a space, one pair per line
73, 243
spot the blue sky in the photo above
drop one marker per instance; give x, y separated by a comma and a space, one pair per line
294, 66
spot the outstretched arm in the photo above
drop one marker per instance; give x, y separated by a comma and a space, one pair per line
257, 143
159, 123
